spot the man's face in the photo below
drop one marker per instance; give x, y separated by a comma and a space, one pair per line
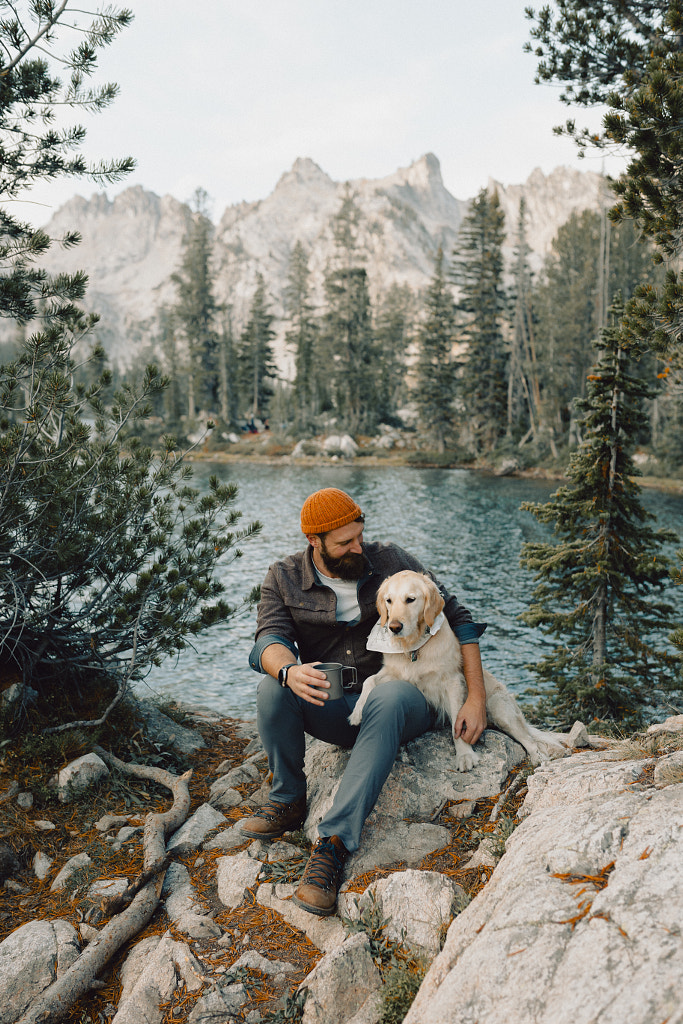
341, 552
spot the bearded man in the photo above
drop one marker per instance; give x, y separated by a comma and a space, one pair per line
319, 606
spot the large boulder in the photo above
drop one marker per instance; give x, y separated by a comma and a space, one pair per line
422, 780
341, 983
31, 958
167, 965
418, 907
581, 919
169, 734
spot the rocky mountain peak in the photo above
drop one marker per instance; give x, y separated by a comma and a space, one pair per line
133, 243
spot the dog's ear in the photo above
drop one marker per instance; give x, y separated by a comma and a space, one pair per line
382, 605
433, 602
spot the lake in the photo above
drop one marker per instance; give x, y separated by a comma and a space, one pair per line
466, 527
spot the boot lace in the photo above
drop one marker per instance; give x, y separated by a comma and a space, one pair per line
272, 810
324, 867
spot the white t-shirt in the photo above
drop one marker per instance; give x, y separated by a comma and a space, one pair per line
348, 609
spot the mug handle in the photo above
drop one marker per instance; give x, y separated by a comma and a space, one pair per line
352, 670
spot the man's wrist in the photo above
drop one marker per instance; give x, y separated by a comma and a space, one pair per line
282, 673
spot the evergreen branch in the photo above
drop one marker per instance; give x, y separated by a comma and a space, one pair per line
50, 23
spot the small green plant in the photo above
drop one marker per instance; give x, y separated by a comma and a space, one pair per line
292, 1012
496, 840
284, 870
401, 985
371, 922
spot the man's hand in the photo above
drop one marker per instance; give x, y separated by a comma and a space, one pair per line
307, 682
471, 720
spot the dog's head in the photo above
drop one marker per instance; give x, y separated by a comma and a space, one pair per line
408, 602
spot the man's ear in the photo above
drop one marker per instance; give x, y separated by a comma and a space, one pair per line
433, 602
382, 605
314, 540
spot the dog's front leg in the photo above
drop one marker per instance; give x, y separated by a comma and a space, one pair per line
368, 686
465, 757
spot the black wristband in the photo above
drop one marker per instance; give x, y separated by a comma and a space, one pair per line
282, 674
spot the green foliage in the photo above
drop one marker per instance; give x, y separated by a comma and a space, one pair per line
434, 392
32, 148
256, 361
194, 313
593, 582
401, 985
393, 328
107, 556
303, 337
292, 1012
482, 308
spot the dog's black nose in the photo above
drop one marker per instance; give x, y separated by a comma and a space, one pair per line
396, 627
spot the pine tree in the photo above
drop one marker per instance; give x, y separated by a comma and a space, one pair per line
195, 309
107, 558
257, 363
478, 272
302, 337
228, 369
434, 392
525, 414
594, 582
347, 342
32, 149
627, 54
393, 332
567, 304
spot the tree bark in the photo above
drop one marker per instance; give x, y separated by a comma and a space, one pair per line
55, 1002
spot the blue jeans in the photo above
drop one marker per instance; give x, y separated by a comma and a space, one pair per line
395, 713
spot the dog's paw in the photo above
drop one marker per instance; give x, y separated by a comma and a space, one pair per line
355, 716
466, 760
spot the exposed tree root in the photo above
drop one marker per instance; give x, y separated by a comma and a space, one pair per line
140, 899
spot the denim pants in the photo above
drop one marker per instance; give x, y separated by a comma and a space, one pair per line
395, 712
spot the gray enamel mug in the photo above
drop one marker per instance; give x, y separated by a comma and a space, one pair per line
340, 677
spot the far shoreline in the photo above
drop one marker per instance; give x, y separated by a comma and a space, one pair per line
393, 460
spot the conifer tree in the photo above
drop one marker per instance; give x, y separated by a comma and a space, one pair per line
524, 407
257, 362
228, 369
434, 392
478, 272
594, 582
302, 336
347, 339
393, 331
195, 309
107, 558
627, 54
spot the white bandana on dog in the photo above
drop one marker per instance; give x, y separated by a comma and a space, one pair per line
382, 639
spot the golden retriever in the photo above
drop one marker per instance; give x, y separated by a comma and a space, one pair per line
409, 604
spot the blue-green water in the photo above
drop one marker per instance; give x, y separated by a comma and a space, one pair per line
466, 527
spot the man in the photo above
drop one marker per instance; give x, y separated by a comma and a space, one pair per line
316, 606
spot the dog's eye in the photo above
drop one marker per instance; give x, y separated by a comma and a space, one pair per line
387, 600
409, 600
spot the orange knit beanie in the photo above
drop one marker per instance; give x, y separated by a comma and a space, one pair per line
328, 510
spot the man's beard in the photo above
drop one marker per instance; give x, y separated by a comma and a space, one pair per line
349, 567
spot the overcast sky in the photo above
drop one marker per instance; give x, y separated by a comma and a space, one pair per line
226, 94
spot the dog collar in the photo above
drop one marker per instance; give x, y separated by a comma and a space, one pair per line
383, 640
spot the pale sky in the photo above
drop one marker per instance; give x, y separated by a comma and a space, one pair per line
226, 94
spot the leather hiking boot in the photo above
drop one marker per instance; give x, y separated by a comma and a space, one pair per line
317, 891
274, 818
